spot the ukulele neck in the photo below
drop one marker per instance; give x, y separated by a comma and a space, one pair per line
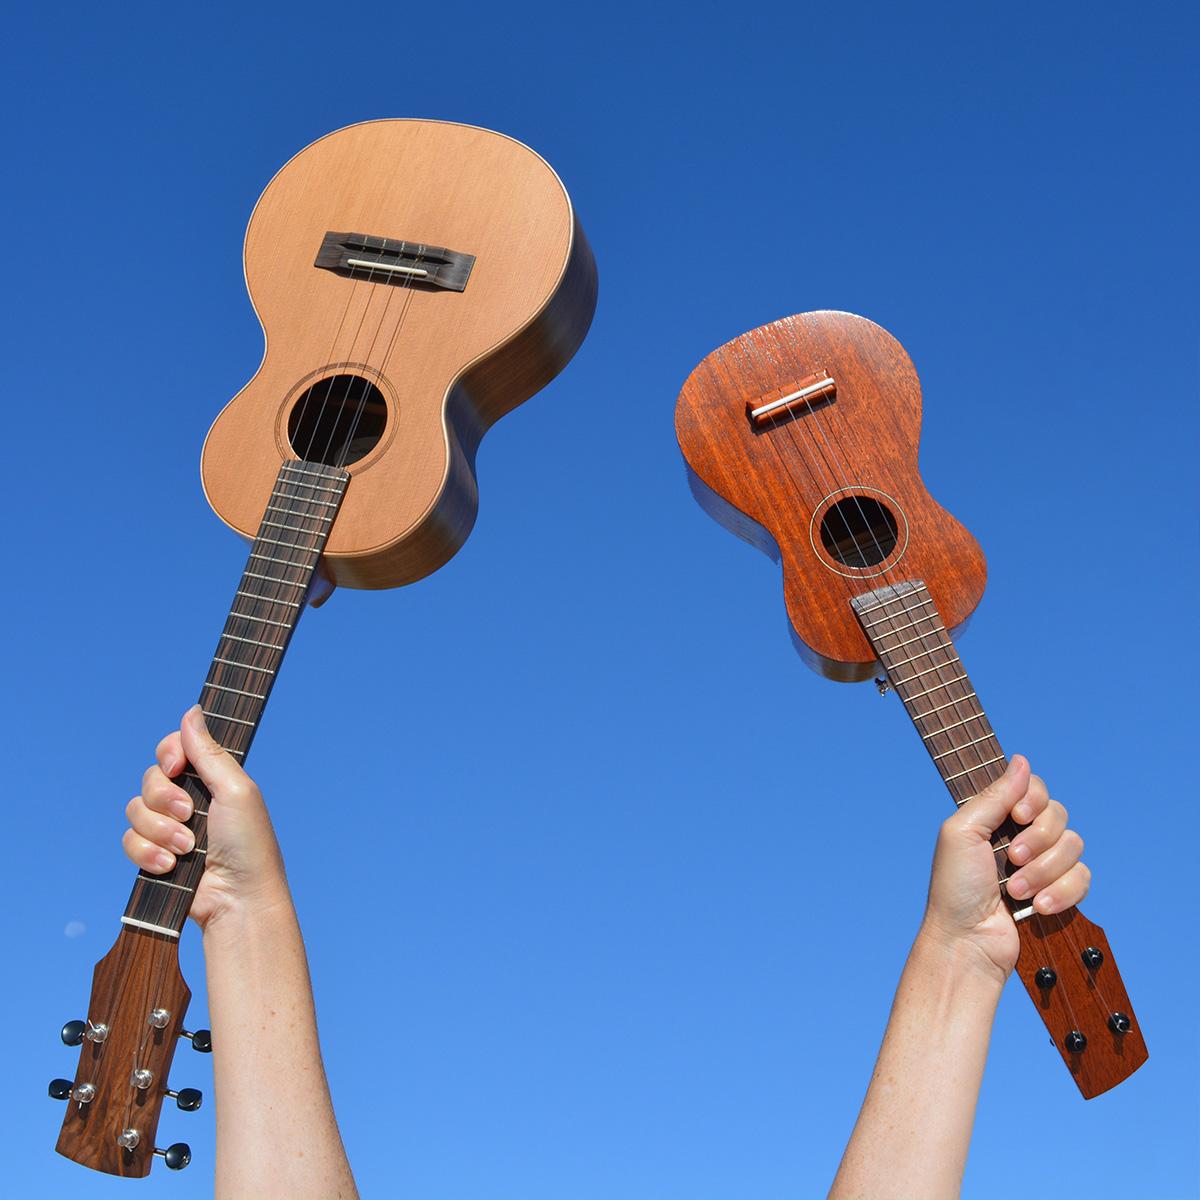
266, 607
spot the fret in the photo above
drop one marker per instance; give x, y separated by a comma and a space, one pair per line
936, 687
897, 683
262, 620
310, 499
230, 662
892, 617
912, 625
910, 641
283, 562
165, 882
987, 737
250, 641
316, 486
293, 528
268, 600
986, 763
938, 708
306, 516
304, 468
862, 611
220, 687
286, 582
216, 716
277, 542
957, 724
923, 654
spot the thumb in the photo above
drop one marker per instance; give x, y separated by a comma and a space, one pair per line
216, 766
985, 813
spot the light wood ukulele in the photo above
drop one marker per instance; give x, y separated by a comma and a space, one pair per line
801, 436
415, 281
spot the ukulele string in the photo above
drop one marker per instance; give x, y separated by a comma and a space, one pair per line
883, 573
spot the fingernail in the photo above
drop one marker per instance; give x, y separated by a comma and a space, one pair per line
1021, 812
183, 841
1018, 853
195, 714
1017, 887
163, 861
181, 809
1045, 903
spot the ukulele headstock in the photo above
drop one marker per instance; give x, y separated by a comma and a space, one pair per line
801, 437
134, 1019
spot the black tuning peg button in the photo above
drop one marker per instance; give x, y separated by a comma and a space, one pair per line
1092, 957
1118, 1023
201, 1040
1046, 977
189, 1099
1075, 1041
60, 1089
176, 1156
72, 1033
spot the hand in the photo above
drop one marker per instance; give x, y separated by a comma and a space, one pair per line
243, 866
964, 910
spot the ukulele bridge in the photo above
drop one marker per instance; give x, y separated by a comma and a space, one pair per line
810, 392
389, 260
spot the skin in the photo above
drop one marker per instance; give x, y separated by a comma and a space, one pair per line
276, 1130
914, 1129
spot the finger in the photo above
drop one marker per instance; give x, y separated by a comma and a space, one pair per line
1047, 867
984, 813
1065, 891
164, 832
214, 765
1033, 802
169, 754
146, 854
1040, 836
165, 797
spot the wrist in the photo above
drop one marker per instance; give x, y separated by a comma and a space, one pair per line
960, 958
237, 912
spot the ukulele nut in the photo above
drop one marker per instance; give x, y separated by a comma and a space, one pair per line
128, 1139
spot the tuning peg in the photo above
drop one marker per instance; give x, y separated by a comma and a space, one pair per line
189, 1099
176, 1156
60, 1089
201, 1040
72, 1033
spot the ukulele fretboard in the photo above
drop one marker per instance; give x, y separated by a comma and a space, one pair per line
266, 607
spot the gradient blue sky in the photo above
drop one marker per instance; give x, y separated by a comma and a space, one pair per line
576, 934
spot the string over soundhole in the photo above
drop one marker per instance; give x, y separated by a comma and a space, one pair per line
338, 420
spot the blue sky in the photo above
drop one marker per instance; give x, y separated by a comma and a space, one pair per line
574, 933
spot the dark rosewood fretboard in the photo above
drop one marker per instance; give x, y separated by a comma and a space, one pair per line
266, 607
1065, 961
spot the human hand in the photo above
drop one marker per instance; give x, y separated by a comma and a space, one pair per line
243, 866
964, 910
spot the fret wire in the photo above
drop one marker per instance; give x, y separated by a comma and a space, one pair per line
283, 525
306, 516
286, 582
245, 666
220, 687
249, 641
938, 687
920, 637
264, 620
268, 599
924, 654
933, 616
977, 767
946, 728
293, 545
283, 562
891, 617
939, 707
987, 737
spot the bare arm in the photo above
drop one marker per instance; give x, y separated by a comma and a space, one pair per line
276, 1130
914, 1130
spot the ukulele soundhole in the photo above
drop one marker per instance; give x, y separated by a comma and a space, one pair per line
338, 420
859, 531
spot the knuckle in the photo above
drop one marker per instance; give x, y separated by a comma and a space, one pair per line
132, 808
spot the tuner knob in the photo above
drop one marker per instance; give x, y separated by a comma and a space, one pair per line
141, 1078
189, 1099
96, 1031
72, 1033
1075, 1041
83, 1093
1046, 977
1092, 957
201, 1040
1118, 1023
60, 1089
176, 1156
159, 1018
128, 1139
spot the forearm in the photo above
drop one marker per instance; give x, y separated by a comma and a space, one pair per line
276, 1131
914, 1130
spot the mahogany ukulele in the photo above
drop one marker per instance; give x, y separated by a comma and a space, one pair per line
415, 281
801, 436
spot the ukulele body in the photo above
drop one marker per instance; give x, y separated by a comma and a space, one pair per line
443, 364
776, 481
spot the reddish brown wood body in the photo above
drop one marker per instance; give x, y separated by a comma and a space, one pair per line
139, 974
773, 483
